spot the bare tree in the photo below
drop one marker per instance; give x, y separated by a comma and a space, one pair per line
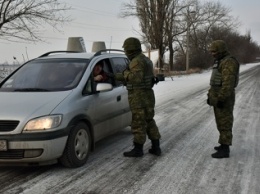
152, 17
24, 19
177, 24
209, 18
212, 15
181, 26
161, 21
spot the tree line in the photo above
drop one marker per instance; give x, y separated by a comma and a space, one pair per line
186, 28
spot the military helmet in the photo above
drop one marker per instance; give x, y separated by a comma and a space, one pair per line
131, 44
218, 46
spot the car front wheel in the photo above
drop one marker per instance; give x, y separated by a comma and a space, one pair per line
78, 147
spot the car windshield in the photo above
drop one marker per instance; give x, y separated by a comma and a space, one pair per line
46, 75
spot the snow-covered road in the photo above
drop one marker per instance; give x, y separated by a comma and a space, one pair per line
189, 134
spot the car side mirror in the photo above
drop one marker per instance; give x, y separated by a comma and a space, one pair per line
102, 87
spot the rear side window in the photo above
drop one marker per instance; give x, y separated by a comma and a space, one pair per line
119, 64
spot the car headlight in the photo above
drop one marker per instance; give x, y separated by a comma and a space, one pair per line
43, 123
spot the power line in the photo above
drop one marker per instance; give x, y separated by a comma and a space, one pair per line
100, 26
87, 40
93, 11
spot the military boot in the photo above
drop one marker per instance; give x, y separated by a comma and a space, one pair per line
137, 151
155, 150
218, 147
222, 152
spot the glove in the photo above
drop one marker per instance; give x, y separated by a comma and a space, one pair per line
119, 77
220, 104
212, 99
126, 71
208, 101
155, 80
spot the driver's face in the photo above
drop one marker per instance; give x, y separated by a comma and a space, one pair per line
97, 70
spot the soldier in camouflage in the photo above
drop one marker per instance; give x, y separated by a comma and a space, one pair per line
221, 95
139, 82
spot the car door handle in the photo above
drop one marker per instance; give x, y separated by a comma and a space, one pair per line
118, 98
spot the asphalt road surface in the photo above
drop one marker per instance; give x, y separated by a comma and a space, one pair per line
189, 134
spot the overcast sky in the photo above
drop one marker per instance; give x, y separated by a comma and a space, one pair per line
98, 21
248, 14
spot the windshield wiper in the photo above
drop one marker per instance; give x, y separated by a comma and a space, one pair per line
31, 90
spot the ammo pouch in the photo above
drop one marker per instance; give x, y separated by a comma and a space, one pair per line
216, 78
147, 83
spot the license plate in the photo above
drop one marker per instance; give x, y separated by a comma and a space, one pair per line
3, 145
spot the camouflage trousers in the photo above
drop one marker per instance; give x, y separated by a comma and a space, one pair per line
143, 124
224, 120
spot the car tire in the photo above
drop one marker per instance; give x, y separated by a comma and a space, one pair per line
77, 148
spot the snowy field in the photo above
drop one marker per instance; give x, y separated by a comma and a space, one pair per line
185, 84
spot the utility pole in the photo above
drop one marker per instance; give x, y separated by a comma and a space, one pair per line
188, 45
188, 40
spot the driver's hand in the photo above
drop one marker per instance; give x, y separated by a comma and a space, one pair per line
98, 78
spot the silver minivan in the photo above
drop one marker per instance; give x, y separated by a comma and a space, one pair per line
51, 109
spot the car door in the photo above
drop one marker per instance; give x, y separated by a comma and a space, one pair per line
119, 64
111, 110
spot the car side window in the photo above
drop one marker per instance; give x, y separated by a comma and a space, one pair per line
109, 71
102, 72
88, 89
106, 73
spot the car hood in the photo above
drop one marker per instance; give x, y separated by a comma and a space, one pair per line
25, 106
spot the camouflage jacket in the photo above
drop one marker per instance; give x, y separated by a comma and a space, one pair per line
224, 78
138, 79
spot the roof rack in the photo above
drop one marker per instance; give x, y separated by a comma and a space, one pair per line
105, 50
51, 52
